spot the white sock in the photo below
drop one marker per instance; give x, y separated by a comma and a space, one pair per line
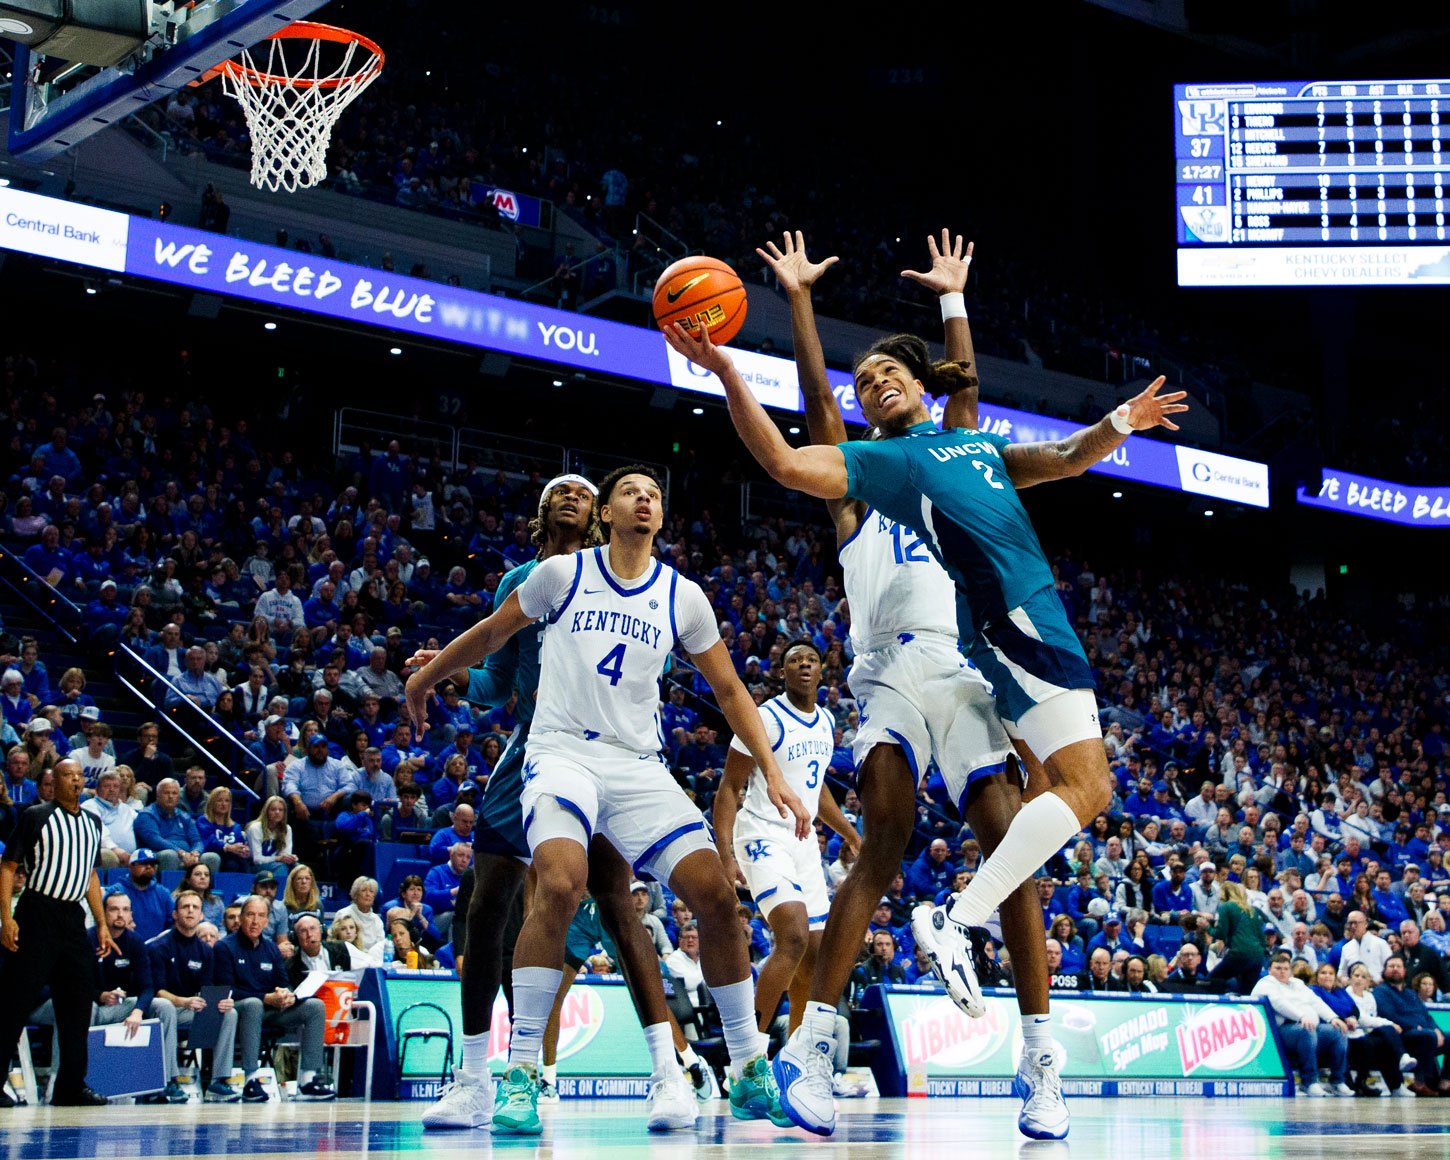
736, 1003
1036, 1034
1035, 835
534, 991
474, 1058
819, 1022
550, 1072
660, 1039
305, 1075
688, 1058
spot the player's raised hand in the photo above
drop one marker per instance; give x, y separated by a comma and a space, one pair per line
421, 657
1150, 409
949, 265
792, 269
700, 351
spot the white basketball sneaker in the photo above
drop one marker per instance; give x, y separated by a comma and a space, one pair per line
949, 947
466, 1102
672, 1104
803, 1072
1039, 1086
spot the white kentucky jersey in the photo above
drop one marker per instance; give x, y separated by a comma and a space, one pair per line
802, 748
605, 644
894, 584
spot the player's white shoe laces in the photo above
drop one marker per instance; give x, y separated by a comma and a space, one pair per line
1038, 1084
949, 947
466, 1102
804, 1074
671, 1102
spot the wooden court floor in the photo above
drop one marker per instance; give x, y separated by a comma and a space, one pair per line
1121, 1129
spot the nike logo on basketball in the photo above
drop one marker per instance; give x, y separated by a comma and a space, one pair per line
671, 296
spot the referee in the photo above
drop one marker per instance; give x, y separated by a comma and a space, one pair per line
57, 842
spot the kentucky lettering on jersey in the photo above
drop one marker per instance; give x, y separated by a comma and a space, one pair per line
802, 748
953, 489
895, 585
605, 644
618, 623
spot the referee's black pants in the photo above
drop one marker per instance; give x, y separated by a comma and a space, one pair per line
53, 951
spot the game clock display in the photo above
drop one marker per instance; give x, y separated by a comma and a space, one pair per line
1312, 182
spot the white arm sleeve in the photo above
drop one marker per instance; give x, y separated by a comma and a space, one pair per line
549, 585
694, 618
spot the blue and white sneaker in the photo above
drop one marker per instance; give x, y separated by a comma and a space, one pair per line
803, 1072
949, 947
1039, 1086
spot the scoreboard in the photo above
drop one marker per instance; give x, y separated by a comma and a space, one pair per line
1312, 183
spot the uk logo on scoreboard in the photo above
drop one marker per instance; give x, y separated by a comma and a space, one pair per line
1202, 118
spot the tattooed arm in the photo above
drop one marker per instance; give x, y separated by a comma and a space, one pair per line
1031, 463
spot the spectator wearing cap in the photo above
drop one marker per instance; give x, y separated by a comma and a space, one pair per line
170, 831
314, 787
279, 922
1111, 936
150, 905
273, 750
639, 893
1207, 891
195, 684
118, 820
424, 587
94, 759
105, 612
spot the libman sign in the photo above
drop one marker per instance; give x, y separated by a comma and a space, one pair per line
1105, 1045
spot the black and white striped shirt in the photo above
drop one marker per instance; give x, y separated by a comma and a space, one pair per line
58, 850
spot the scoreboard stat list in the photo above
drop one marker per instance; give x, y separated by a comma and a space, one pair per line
1312, 163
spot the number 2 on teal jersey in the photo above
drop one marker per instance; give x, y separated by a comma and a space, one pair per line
612, 666
815, 776
914, 551
986, 470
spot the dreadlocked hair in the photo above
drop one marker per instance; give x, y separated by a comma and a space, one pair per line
943, 377
539, 525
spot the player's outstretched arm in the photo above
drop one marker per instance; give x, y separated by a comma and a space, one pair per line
830, 812
727, 806
1030, 463
797, 274
950, 264
817, 471
744, 720
467, 649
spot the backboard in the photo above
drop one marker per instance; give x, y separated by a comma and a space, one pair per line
54, 105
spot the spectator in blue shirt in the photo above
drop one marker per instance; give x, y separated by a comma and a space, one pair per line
170, 831
460, 831
930, 872
223, 835
356, 832
388, 479
1174, 898
58, 458
255, 970
1391, 905
48, 559
843, 761
14, 703
440, 887
150, 905
196, 684
1399, 1003
402, 753
679, 719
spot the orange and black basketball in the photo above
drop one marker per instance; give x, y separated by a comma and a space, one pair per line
701, 289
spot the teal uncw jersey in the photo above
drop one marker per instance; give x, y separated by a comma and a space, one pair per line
952, 488
516, 665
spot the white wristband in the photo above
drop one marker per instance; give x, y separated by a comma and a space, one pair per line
953, 305
1120, 420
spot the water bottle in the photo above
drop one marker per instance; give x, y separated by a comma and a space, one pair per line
412, 960
387, 951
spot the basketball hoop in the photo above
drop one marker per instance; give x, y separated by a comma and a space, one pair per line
292, 107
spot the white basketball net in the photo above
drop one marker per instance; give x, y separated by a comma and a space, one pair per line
291, 112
